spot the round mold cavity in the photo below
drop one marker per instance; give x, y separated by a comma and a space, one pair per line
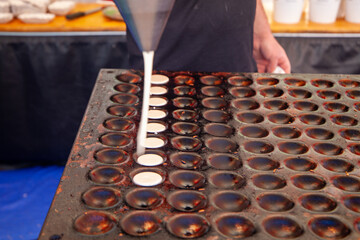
224, 161
312, 119
319, 133
184, 79
184, 91
276, 105
125, 99
107, 175
263, 164
158, 79
156, 127
186, 160
95, 223
308, 182
187, 179
306, 106
140, 223
286, 132
249, 117
350, 134
259, 147
111, 156
354, 94
240, 81
282, 227
242, 92
348, 83
156, 114
218, 129
127, 88
281, 118
101, 197
185, 102
295, 82
186, 143
267, 81
233, 226
210, 80
275, 202
317, 203
213, 102
216, 116
328, 94
144, 198
300, 164
129, 78
188, 225
344, 120
322, 83
254, 131
328, 149
155, 141
245, 104
187, 200
299, 93
157, 90
122, 111
184, 115
293, 148
116, 140
147, 177
271, 92
151, 158
329, 227
347, 183
157, 101
185, 128
336, 107
352, 202
212, 91
337, 165
120, 124
230, 201
221, 144
268, 181
226, 180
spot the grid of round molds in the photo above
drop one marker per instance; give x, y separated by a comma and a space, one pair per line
283, 147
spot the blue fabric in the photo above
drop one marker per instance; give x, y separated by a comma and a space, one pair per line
25, 198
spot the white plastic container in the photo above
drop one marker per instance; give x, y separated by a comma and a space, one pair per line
288, 11
352, 11
324, 11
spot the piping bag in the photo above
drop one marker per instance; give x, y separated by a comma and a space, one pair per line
146, 20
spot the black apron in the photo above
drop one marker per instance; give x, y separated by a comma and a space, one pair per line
204, 35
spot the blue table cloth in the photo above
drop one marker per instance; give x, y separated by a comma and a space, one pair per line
25, 198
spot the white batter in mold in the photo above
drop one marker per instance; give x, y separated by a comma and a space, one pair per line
155, 127
158, 79
157, 102
154, 142
150, 160
156, 114
158, 90
147, 179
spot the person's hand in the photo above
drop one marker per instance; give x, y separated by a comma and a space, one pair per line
268, 54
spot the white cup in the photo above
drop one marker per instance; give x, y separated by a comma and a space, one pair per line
324, 11
288, 11
352, 11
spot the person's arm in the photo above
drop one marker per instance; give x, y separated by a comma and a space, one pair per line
267, 52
